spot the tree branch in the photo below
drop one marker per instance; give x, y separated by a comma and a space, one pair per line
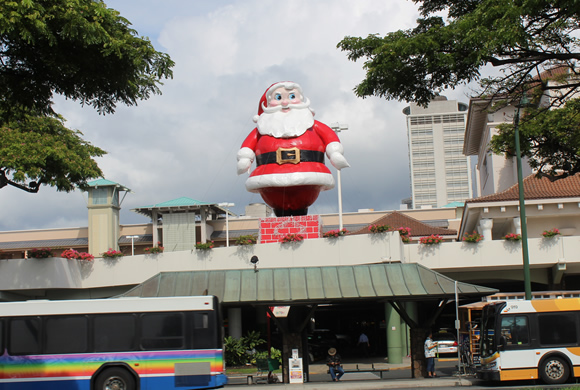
536, 58
32, 187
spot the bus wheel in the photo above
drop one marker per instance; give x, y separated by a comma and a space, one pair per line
554, 370
115, 378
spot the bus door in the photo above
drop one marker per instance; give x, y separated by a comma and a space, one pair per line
515, 343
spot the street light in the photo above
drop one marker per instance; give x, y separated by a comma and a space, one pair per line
227, 220
338, 127
524, 226
132, 244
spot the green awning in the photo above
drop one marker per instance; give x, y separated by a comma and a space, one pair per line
307, 285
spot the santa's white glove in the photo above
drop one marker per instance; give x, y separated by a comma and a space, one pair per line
334, 152
245, 159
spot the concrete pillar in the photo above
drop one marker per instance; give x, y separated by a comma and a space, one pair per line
485, 225
235, 322
518, 225
404, 338
203, 225
394, 345
411, 309
154, 217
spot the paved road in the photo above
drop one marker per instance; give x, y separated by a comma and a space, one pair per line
398, 377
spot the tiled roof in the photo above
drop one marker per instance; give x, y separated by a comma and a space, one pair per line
183, 201
101, 182
553, 72
352, 227
418, 228
60, 243
340, 284
537, 187
107, 183
219, 234
66, 242
143, 238
454, 204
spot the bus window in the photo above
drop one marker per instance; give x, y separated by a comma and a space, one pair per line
24, 336
114, 332
556, 329
1, 335
515, 330
200, 320
204, 334
162, 331
66, 334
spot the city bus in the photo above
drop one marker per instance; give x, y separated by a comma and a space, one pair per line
117, 343
537, 339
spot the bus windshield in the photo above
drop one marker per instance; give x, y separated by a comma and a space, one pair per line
488, 320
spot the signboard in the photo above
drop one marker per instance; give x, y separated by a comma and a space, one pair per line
296, 371
280, 311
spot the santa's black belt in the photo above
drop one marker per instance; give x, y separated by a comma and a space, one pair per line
289, 156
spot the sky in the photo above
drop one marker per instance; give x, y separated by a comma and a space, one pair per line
183, 143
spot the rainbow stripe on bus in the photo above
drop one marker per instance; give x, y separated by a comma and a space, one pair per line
77, 369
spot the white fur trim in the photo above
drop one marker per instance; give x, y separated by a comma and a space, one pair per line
334, 152
334, 147
246, 153
253, 184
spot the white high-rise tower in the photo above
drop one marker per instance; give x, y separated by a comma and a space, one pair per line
440, 172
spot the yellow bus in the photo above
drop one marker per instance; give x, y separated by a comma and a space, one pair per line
537, 339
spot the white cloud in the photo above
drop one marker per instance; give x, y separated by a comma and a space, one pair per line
184, 142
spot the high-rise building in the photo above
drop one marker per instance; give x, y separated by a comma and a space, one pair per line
440, 172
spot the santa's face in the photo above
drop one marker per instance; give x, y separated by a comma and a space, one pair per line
284, 97
285, 118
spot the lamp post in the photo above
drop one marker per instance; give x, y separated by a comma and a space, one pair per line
524, 226
338, 127
457, 327
132, 244
226, 205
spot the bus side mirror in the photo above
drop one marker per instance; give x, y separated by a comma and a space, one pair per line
501, 343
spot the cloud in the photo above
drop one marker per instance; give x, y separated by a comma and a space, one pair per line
184, 142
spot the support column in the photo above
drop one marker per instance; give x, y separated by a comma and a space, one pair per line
404, 337
203, 225
235, 322
486, 224
155, 232
411, 309
518, 225
419, 368
394, 345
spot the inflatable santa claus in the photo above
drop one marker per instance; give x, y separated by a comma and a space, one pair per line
289, 146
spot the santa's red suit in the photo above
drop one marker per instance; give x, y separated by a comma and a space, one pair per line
290, 170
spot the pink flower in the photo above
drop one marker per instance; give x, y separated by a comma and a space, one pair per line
432, 239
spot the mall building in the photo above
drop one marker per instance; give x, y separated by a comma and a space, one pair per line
362, 281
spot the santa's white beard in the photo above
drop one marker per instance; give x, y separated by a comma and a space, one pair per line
280, 124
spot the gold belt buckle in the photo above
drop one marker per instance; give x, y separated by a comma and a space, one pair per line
288, 156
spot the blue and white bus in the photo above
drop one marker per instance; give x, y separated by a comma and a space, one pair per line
117, 343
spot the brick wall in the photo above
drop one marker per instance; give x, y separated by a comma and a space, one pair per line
273, 229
